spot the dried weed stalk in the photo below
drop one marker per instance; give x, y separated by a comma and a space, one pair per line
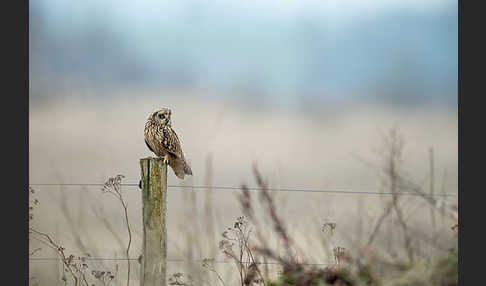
393, 157
236, 246
75, 266
293, 272
113, 186
397, 182
208, 263
178, 279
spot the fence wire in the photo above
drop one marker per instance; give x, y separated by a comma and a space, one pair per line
40, 259
232, 188
222, 188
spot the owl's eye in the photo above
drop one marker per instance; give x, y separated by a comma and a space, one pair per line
161, 115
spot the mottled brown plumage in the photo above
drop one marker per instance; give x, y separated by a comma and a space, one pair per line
163, 141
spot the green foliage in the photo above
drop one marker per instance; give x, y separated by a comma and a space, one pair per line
314, 277
367, 276
445, 271
442, 272
291, 279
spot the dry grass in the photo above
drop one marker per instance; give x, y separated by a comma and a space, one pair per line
79, 267
197, 218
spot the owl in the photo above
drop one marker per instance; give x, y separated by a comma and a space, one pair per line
163, 141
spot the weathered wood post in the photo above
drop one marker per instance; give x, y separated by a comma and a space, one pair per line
154, 209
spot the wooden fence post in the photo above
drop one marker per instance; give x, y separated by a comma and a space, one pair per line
154, 209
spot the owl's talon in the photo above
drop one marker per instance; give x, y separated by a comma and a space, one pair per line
166, 159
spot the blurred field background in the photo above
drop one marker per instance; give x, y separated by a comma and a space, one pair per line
304, 89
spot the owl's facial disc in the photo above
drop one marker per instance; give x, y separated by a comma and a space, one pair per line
167, 117
163, 116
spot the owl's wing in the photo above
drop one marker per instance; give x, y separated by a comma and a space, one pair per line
148, 145
171, 142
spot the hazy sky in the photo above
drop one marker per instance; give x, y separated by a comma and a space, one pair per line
320, 48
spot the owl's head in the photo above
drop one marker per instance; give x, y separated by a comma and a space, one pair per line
162, 116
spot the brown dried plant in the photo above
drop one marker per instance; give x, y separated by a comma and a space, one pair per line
293, 272
236, 246
179, 280
113, 186
397, 182
76, 266
393, 157
208, 263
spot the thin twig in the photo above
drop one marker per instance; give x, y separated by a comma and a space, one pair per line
113, 186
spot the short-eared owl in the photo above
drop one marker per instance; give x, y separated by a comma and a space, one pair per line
163, 141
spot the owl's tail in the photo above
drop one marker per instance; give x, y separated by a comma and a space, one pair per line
187, 169
180, 167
